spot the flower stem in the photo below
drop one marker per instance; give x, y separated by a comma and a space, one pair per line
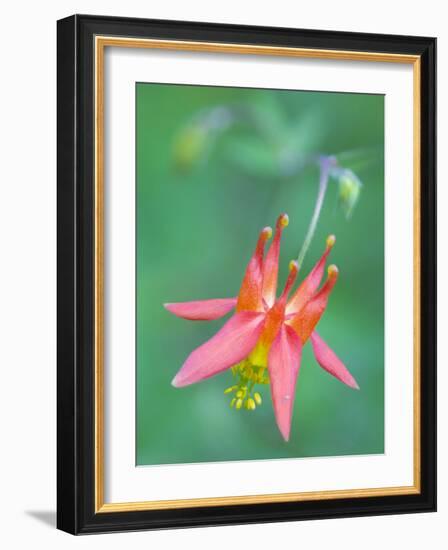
325, 164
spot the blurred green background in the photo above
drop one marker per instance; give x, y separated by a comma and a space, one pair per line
214, 166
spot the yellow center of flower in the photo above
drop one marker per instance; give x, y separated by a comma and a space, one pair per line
247, 376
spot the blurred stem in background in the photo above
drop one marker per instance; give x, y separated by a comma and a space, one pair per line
197, 139
325, 165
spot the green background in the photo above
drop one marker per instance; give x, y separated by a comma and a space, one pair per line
201, 201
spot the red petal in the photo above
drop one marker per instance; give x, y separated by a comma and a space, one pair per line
270, 266
309, 285
329, 361
274, 319
284, 364
306, 320
250, 295
202, 310
226, 348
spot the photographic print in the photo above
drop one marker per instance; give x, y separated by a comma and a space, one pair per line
259, 274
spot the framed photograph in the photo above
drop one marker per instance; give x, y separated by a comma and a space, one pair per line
246, 274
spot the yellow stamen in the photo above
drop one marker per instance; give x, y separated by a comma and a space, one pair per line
257, 398
248, 373
251, 404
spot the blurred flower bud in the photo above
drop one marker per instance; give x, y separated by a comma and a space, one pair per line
189, 147
194, 141
349, 190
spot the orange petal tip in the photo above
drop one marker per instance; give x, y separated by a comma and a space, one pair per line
283, 220
331, 239
333, 271
293, 265
266, 232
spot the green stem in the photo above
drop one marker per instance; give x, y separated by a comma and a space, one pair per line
325, 164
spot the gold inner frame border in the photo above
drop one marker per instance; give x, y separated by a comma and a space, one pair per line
100, 43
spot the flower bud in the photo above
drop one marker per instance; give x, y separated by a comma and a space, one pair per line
349, 190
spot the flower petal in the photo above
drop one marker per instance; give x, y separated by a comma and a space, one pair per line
274, 320
305, 321
270, 265
284, 364
202, 310
250, 294
309, 285
330, 362
227, 347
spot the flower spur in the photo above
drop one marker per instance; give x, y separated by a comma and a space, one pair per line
265, 332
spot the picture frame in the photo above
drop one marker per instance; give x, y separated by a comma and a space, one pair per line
82, 245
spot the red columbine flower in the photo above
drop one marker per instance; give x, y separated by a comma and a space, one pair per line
265, 332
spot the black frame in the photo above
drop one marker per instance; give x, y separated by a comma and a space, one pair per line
75, 296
